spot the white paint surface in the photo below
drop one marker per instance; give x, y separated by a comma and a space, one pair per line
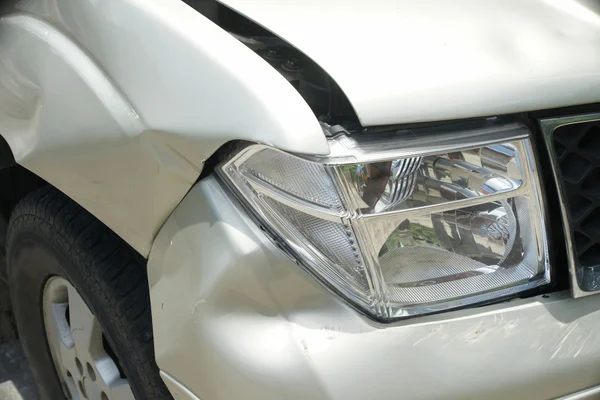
403, 61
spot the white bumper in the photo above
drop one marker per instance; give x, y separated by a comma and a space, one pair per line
235, 319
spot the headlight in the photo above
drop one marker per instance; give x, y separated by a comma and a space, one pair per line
406, 223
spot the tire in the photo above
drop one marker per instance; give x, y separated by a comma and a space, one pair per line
8, 331
51, 236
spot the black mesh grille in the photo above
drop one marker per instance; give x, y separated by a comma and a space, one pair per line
577, 149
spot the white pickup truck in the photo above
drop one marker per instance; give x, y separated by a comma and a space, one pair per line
303, 199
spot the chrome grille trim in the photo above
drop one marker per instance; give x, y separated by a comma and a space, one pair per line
548, 126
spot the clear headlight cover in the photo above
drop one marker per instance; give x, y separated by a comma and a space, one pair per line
406, 224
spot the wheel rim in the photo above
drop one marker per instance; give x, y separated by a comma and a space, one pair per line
85, 364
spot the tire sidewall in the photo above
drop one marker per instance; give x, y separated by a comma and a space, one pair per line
32, 260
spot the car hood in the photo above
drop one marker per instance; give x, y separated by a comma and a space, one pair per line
402, 61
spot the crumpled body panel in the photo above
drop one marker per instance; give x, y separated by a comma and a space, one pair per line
118, 103
249, 323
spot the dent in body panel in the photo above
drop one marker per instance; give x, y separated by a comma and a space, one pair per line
65, 121
19, 104
118, 103
249, 322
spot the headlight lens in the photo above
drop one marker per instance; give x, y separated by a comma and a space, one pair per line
409, 224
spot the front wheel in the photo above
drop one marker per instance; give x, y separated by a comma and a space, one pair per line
81, 303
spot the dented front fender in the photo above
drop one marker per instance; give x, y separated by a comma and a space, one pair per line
118, 103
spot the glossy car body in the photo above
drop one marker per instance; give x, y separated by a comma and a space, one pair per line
119, 103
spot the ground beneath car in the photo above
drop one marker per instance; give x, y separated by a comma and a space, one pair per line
16, 382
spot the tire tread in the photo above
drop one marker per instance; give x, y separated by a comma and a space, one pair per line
117, 274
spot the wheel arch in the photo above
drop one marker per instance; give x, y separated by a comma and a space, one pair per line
121, 116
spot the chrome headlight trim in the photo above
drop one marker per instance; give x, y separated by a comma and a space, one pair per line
346, 151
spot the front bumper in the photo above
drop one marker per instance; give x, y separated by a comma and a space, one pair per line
235, 318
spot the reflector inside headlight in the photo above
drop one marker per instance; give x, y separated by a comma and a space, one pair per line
409, 224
